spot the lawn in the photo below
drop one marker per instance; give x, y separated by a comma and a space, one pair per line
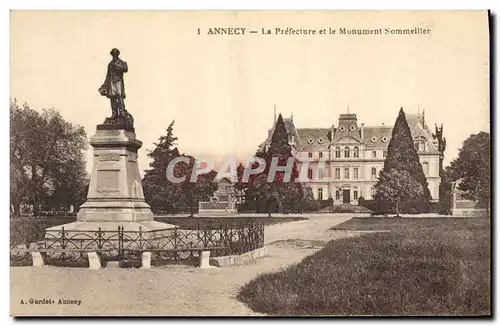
214, 222
421, 267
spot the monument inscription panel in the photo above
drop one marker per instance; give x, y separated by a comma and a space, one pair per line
109, 156
108, 181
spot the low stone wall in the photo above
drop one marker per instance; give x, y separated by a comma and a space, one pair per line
359, 214
470, 212
422, 215
239, 259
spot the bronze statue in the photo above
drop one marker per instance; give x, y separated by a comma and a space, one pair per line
438, 135
114, 89
441, 140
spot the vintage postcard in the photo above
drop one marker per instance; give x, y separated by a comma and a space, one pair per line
250, 163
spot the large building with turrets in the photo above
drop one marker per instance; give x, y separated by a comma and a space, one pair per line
345, 159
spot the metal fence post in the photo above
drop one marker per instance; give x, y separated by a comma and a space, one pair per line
120, 242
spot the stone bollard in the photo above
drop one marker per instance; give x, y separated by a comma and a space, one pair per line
146, 260
94, 260
38, 258
205, 259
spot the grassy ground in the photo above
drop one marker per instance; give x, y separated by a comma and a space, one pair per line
422, 267
407, 224
194, 222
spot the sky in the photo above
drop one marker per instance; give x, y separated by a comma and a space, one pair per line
221, 89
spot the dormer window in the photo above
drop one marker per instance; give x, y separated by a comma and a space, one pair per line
320, 140
341, 128
310, 141
374, 139
420, 144
352, 128
384, 139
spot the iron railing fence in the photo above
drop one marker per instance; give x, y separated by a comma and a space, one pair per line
172, 244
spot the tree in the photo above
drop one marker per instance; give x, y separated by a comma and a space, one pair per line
402, 162
398, 188
445, 184
160, 193
472, 166
18, 188
310, 204
277, 195
193, 192
47, 154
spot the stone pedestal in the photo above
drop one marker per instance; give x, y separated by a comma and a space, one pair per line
115, 197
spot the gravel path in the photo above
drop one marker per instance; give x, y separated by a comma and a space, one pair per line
166, 291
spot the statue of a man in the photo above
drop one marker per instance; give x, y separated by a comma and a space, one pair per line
113, 86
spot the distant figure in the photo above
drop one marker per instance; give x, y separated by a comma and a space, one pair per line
113, 86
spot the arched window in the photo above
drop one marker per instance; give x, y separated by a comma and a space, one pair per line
346, 152
337, 152
356, 152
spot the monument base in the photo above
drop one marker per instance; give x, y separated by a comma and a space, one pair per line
119, 210
115, 197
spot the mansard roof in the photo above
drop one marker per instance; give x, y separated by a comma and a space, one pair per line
377, 137
313, 139
374, 137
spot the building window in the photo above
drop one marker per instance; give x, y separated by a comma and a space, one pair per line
310, 174
425, 165
337, 152
320, 154
346, 173
337, 195
355, 173
355, 195
337, 173
384, 153
346, 151
420, 145
310, 154
372, 190
356, 152
374, 154
320, 194
320, 173
374, 173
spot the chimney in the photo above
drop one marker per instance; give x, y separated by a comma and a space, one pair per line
362, 129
